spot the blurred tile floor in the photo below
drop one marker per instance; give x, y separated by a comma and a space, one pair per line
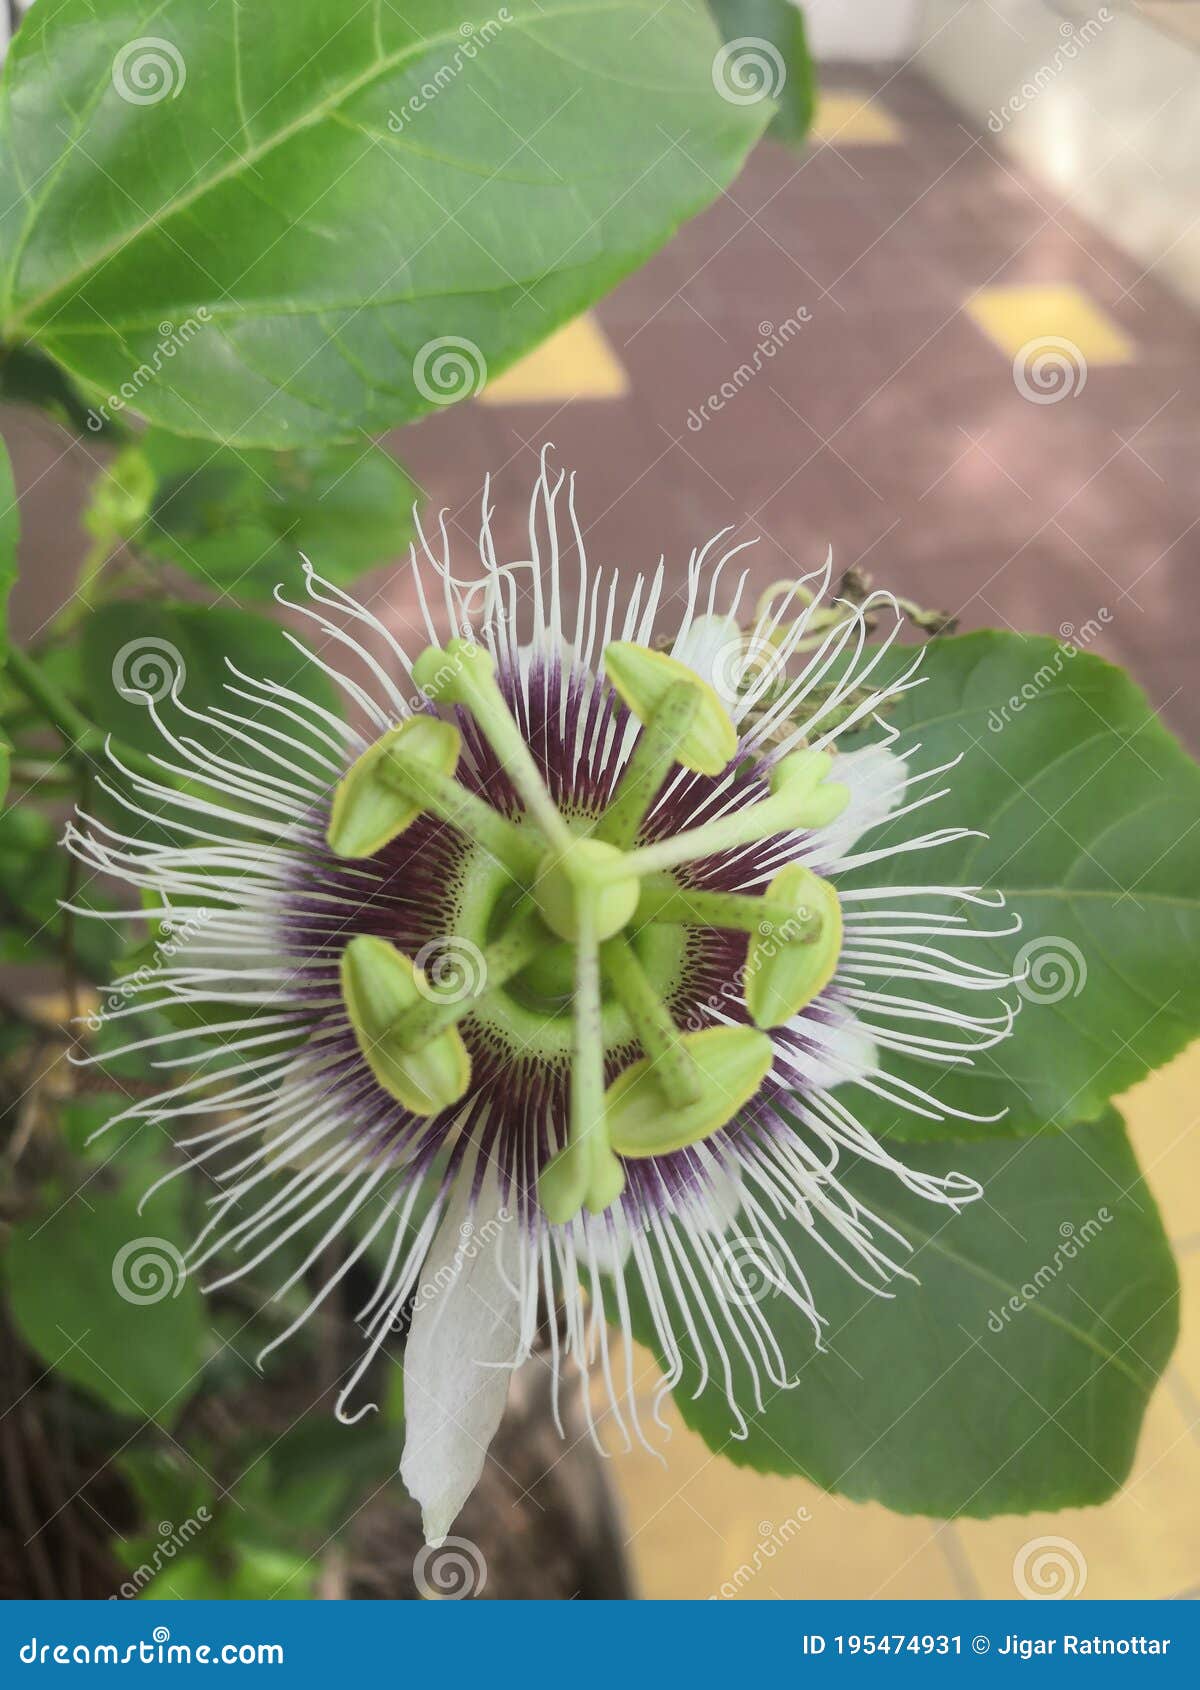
892, 425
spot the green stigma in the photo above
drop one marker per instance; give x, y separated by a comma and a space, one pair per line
575, 924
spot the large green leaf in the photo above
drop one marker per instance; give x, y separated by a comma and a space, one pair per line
767, 58
240, 519
1092, 817
291, 225
1012, 1377
97, 1290
130, 649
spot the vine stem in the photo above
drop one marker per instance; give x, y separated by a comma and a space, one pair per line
77, 606
84, 740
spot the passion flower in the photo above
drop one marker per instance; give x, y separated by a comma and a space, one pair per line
544, 975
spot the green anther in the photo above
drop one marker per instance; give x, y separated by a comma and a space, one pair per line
503, 958
463, 673
664, 899
644, 679
379, 985
658, 748
732, 1062
434, 790
563, 879
368, 811
674, 1069
798, 799
784, 971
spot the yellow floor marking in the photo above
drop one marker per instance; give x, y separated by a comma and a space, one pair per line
1013, 317
575, 363
849, 118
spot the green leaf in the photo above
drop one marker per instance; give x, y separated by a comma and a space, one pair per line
1092, 813
96, 1290
240, 519
9, 530
255, 1575
28, 377
1013, 1377
335, 219
33, 879
314, 1477
171, 1487
129, 645
768, 57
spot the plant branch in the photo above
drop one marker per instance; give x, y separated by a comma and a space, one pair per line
84, 740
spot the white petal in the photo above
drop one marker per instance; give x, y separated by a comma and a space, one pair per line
716, 1205
876, 778
710, 649
846, 1050
604, 1240
464, 1341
